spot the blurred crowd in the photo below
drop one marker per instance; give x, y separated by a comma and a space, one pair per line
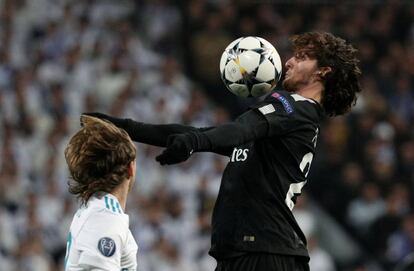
157, 61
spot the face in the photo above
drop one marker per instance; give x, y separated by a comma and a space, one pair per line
300, 72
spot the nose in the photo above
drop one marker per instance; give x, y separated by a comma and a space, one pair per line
289, 63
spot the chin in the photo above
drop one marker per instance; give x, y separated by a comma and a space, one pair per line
288, 86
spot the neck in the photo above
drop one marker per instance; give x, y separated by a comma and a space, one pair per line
312, 91
121, 193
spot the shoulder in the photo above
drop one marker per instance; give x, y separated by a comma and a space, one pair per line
102, 215
105, 214
106, 220
293, 104
101, 226
293, 98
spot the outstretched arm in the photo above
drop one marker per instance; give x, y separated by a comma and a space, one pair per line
250, 126
152, 134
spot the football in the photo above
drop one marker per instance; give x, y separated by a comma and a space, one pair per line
250, 67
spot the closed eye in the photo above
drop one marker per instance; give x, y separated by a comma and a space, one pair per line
301, 56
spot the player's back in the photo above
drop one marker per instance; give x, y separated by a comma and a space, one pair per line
99, 237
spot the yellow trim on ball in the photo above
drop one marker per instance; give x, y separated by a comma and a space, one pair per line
242, 70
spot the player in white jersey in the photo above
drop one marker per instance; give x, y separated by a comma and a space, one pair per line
102, 165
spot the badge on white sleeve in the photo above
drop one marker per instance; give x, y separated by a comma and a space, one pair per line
106, 246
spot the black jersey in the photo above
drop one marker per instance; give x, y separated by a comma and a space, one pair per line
262, 180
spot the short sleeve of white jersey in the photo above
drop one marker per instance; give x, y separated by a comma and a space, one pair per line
100, 242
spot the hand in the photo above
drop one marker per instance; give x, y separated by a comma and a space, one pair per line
179, 148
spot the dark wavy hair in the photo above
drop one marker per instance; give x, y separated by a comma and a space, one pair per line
342, 84
98, 156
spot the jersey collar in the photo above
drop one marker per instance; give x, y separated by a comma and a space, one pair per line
109, 201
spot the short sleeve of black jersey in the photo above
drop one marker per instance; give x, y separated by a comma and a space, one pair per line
285, 112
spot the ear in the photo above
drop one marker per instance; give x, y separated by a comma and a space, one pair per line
323, 71
132, 168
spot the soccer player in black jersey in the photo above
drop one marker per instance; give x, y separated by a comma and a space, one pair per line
271, 147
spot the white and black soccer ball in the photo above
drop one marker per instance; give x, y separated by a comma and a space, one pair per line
250, 67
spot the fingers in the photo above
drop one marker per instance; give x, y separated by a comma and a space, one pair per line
173, 154
167, 157
161, 159
178, 150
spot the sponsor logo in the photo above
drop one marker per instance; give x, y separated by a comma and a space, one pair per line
286, 105
106, 246
239, 155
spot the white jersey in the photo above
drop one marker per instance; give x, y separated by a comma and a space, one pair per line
100, 239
